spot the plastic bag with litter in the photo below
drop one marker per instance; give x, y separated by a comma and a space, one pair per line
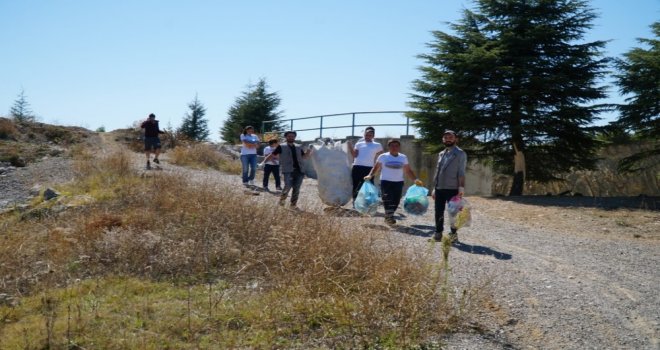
416, 200
459, 212
333, 169
367, 199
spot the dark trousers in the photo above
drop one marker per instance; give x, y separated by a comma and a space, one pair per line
391, 192
275, 170
358, 172
292, 181
441, 198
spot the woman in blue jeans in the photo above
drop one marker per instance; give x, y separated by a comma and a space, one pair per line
249, 155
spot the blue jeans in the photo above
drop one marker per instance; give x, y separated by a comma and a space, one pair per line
292, 181
249, 162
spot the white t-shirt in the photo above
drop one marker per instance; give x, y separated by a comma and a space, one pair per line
249, 139
366, 152
391, 166
274, 160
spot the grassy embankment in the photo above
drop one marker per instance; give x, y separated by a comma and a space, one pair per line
161, 262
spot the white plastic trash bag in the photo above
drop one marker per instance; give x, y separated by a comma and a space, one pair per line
333, 170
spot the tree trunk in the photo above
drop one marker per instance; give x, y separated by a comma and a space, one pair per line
518, 172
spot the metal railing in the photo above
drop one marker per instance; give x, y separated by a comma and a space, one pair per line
353, 115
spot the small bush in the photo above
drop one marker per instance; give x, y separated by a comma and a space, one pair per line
201, 155
7, 129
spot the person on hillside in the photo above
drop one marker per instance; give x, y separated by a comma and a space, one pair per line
250, 143
364, 153
392, 166
272, 166
449, 181
292, 159
151, 139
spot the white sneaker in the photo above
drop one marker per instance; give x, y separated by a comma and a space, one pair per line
251, 182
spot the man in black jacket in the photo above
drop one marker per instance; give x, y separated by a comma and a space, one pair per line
151, 140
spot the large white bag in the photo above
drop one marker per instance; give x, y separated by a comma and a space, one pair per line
332, 162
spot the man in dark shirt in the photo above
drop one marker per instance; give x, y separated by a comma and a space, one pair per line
151, 140
291, 158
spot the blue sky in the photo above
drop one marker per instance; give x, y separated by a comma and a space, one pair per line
111, 63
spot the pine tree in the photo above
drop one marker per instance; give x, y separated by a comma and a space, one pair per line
194, 126
639, 78
516, 83
253, 107
20, 111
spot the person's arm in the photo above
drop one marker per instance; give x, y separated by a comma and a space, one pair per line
144, 124
306, 154
354, 151
411, 175
373, 171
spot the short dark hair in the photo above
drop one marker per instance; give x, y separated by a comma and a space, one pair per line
152, 115
391, 141
370, 128
273, 141
290, 132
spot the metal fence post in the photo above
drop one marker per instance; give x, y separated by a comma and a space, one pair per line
407, 124
353, 126
321, 129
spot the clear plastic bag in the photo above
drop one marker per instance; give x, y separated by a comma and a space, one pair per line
333, 170
367, 199
459, 212
416, 201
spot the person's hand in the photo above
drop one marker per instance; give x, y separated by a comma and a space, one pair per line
368, 177
419, 182
260, 165
433, 194
461, 191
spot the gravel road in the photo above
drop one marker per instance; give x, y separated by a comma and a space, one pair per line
556, 287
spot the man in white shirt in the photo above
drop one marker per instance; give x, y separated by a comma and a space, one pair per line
365, 153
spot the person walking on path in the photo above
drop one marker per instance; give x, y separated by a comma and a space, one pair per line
392, 166
292, 159
364, 153
449, 181
151, 139
272, 166
249, 155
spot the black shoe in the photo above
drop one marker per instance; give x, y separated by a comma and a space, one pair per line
437, 236
453, 236
390, 220
148, 165
156, 161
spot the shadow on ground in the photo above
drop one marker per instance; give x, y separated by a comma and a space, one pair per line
477, 249
639, 202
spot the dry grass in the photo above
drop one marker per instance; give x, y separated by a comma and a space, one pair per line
204, 156
160, 263
7, 129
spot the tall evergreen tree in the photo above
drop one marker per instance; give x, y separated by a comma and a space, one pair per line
194, 126
639, 78
517, 84
20, 111
253, 107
